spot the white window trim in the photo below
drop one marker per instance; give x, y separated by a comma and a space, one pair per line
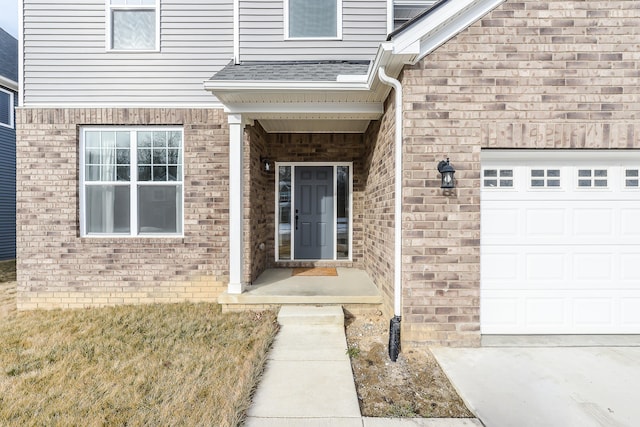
338, 24
11, 124
133, 184
335, 165
109, 7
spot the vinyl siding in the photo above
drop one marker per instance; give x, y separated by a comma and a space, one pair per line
262, 38
66, 61
8, 191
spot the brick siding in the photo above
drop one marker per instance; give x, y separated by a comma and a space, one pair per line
58, 268
379, 222
531, 74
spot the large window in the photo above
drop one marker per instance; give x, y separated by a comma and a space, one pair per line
133, 24
315, 19
6, 108
131, 181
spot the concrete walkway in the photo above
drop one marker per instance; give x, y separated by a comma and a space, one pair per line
550, 386
308, 379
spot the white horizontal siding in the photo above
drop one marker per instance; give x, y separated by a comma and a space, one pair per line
262, 38
65, 57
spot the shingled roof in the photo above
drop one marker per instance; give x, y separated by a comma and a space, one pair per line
8, 56
299, 71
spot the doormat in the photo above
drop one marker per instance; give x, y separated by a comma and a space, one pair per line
314, 271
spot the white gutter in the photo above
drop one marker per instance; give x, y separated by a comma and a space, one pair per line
397, 276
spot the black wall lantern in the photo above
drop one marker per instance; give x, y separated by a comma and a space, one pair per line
267, 165
447, 171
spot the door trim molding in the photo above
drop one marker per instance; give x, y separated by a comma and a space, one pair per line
292, 204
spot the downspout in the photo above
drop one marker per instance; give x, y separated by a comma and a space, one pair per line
394, 324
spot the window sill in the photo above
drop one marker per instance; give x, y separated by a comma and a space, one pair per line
313, 38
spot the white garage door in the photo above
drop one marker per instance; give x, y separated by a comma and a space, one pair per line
560, 242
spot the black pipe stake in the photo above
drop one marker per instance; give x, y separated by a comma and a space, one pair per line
394, 338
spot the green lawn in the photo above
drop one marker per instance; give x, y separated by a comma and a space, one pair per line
171, 364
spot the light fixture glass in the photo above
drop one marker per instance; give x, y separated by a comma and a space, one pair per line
447, 171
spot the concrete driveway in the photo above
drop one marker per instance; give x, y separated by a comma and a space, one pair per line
547, 387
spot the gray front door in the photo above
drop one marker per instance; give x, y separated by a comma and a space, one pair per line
313, 221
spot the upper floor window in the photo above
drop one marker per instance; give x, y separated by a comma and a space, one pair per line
131, 181
6, 108
313, 19
134, 24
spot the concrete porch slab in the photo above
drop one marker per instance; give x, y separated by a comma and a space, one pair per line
278, 286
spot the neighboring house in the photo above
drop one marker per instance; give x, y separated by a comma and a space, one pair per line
144, 129
8, 100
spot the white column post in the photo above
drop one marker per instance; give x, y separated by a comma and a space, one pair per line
236, 172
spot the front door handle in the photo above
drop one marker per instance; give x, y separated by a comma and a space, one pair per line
296, 222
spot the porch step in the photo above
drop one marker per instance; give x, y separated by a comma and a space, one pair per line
311, 315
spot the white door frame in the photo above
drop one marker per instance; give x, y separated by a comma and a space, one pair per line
335, 165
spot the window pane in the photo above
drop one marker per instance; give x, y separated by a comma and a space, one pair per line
537, 172
92, 139
144, 157
144, 139
92, 156
313, 18
342, 226
92, 173
508, 173
107, 209
553, 172
159, 173
160, 209
144, 173
6, 106
284, 212
133, 29
159, 157
159, 139
490, 172
490, 182
632, 172
122, 157
123, 173
122, 139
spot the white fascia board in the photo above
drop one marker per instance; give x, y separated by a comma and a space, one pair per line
369, 109
212, 105
445, 22
9, 84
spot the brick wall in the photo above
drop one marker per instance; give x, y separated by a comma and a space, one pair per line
57, 268
379, 218
531, 74
258, 206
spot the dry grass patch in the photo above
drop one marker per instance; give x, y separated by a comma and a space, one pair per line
8, 271
171, 364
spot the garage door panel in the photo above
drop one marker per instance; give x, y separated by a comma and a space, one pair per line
630, 222
500, 222
592, 222
597, 311
561, 258
500, 266
545, 266
629, 270
546, 222
593, 266
541, 312
630, 310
